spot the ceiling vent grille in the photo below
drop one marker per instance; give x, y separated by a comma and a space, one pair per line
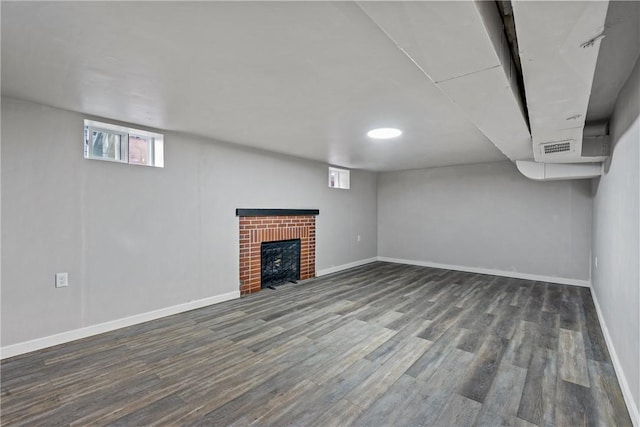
557, 147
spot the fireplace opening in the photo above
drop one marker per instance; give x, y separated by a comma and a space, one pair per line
280, 262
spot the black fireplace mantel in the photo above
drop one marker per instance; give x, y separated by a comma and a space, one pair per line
276, 212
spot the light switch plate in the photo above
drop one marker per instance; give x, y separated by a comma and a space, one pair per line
62, 280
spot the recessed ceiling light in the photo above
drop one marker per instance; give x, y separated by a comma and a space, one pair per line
384, 133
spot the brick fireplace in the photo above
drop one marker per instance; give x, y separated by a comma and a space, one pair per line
271, 225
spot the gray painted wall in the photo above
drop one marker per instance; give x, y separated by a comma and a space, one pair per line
486, 216
136, 239
616, 279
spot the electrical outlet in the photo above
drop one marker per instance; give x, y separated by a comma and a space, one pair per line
596, 262
358, 237
62, 280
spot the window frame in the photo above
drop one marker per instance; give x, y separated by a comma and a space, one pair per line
155, 144
124, 144
344, 178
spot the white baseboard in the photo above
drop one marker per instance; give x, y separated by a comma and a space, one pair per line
515, 274
624, 385
51, 340
337, 268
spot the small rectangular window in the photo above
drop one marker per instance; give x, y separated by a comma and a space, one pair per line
339, 178
104, 141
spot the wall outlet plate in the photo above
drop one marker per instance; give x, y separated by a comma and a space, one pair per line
62, 280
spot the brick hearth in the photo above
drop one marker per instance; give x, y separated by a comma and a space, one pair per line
256, 229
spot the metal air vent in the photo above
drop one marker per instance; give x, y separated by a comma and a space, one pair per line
557, 147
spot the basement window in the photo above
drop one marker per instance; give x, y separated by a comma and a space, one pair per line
105, 141
339, 178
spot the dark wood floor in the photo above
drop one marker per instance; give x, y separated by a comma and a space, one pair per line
379, 345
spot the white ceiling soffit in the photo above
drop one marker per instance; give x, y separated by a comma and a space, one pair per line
559, 44
462, 48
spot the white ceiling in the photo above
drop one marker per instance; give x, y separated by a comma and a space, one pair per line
302, 78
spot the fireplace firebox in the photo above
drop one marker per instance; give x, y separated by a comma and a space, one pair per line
280, 262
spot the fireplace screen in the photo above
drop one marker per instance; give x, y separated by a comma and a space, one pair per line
280, 262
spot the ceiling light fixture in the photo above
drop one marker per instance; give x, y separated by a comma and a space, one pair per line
384, 133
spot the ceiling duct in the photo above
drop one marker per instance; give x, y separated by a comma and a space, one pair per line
597, 147
595, 141
594, 147
558, 44
558, 171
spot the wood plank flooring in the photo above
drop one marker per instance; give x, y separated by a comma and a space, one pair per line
379, 345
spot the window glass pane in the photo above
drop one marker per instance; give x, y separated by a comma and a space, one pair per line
339, 178
334, 180
105, 141
106, 145
140, 150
